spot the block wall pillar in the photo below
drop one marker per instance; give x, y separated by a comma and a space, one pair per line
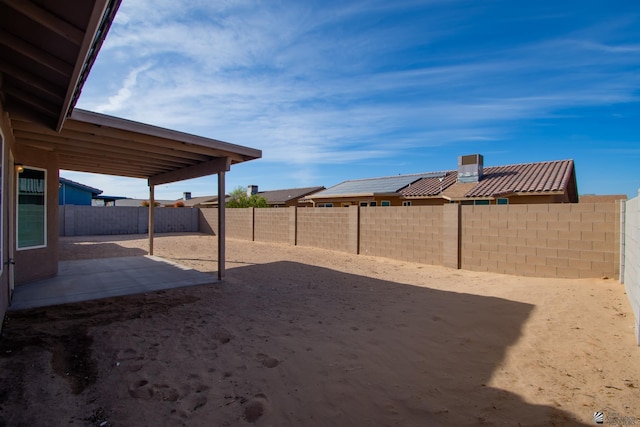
451, 235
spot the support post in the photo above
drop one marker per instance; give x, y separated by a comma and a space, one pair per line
152, 205
221, 225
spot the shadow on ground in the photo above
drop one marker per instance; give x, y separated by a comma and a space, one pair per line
70, 250
277, 344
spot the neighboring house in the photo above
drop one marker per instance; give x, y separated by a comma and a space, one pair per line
74, 193
471, 183
48, 49
275, 198
198, 202
602, 198
136, 203
285, 198
103, 200
366, 192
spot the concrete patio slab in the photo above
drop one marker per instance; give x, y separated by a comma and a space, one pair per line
84, 280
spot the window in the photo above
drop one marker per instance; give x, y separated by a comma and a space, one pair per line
406, 203
385, 203
373, 204
325, 205
364, 204
502, 201
482, 202
32, 210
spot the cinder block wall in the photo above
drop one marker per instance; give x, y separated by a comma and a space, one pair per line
178, 220
93, 220
411, 233
239, 223
327, 228
549, 240
631, 263
272, 225
208, 221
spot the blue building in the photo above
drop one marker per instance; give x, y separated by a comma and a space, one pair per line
74, 193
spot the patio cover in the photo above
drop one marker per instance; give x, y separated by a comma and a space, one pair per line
97, 143
47, 49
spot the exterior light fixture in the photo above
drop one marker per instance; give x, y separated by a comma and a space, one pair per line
19, 167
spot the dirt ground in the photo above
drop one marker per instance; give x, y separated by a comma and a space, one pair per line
306, 337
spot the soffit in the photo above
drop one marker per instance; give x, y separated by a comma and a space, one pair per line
97, 143
47, 48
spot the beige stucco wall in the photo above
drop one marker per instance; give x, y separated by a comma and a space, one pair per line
39, 263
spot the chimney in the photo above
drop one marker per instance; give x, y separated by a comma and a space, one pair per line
251, 190
470, 168
186, 195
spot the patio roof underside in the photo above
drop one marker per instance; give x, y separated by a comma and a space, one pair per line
47, 49
92, 142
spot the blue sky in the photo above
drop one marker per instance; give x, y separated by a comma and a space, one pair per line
336, 90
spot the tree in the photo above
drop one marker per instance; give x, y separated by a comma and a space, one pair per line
240, 199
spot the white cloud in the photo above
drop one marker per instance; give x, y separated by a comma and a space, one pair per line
326, 84
124, 94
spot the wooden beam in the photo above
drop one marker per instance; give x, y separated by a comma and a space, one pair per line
84, 136
221, 226
126, 173
220, 164
47, 20
34, 101
226, 149
109, 162
33, 81
66, 144
89, 164
142, 138
152, 208
40, 56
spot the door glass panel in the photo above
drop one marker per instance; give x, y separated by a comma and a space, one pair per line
31, 209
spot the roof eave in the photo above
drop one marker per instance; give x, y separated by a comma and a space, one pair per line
100, 21
239, 153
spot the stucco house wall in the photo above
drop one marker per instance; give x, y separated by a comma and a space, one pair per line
38, 263
5, 205
70, 195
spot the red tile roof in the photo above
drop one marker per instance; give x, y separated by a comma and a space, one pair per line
540, 177
524, 178
431, 186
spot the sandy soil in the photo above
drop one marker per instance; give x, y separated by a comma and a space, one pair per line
306, 337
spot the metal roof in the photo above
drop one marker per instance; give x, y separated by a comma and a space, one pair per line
92, 190
371, 186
